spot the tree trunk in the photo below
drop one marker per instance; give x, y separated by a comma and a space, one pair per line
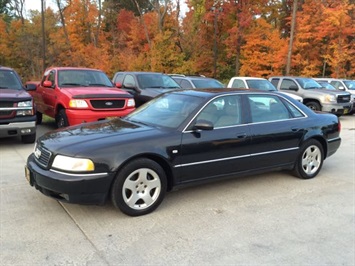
290, 46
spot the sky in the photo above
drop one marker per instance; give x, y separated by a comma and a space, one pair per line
36, 4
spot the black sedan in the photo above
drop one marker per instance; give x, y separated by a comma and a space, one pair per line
180, 138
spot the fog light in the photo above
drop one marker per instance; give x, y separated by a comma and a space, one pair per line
26, 130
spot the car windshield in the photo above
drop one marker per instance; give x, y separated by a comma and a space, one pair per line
8, 80
308, 84
160, 81
169, 110
350, 84
327, 85
87, 78
261, 84
207, 83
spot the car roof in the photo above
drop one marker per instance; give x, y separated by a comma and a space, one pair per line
139, 72
212, 92
249, 78
6, 68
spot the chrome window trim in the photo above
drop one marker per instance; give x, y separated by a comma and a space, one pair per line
235, 157
248, 93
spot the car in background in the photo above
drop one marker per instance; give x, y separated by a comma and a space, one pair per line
257, 83
180, 138
344, 85
313, 94
144, 86
17, 109
194, 82
326, 85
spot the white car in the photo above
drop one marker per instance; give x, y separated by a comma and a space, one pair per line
259, 84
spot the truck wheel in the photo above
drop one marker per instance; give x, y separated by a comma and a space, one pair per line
314, 106
139, 187
28, 138
310, 160
39, 118
61, 119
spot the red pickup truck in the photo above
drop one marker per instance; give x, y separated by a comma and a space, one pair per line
79, 95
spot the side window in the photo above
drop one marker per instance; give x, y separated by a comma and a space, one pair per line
336, 84
265, 108
295, 112
129, 81
275, 81
51, 77
118, 78
185, 84
231, 114
286, 84
237, 83
223, 111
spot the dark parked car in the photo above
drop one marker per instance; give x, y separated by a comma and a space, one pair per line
195, 82
180, 138
144, 86
17, 109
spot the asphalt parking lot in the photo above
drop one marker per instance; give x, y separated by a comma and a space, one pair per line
268, 219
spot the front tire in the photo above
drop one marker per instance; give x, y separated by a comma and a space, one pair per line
139, 187
314, 106
310, 160
62, 119
39, 118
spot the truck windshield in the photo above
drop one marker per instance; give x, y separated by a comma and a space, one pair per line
307, 83
350, 84
86, 78
8, 80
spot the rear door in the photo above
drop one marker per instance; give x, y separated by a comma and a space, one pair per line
276, 131
221, 151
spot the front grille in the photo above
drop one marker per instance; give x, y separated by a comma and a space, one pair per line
42, 156
343, 98
107, 104
7, 113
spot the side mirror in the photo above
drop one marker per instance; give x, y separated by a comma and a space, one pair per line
293, 88
47, 84
341, 88
118, 85
30, 87
203, 125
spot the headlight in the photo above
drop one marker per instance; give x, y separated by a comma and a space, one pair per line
131, 103
73, 164
330, 98
78, 104
27, 110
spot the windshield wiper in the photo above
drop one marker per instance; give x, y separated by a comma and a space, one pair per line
99, 85
71, 84
4, 87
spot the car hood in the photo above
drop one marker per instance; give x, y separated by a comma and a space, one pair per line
75, 139
322, 92
14, 94
90, 92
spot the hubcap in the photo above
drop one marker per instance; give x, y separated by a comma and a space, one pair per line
311, 160
141, 188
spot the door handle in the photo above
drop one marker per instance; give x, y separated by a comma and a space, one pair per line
242, 136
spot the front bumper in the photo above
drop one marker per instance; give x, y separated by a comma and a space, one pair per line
76, 116
71, 188
13, 129
338, 109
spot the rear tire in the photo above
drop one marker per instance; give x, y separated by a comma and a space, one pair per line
62, 119
310, 160
139, 187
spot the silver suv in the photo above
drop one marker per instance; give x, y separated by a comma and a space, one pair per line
314, 95
344, 85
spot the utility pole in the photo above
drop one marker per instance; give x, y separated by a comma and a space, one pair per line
43, 37
215, 11
290, 46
